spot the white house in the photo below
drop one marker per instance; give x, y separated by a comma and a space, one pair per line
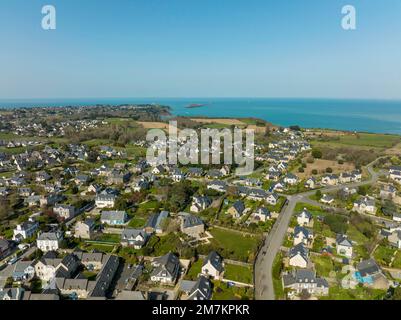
344, 246
136, 238
64, 211
304, 218
365, 205
49, 241
200, 203
327, 199
262, 214
310, 183
25, 230
213, 266
114, 218
302, 235
298, 256
291, 179
105, 201
395, 173
330, 180
306, 280
166, 269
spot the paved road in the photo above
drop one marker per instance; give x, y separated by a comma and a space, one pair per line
264, 262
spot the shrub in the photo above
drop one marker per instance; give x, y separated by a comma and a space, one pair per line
317, 154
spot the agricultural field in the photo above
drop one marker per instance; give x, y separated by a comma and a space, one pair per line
359, 140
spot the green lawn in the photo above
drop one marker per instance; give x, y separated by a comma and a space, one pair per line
314, 210
234, 244
100, 247
238, 273
194, 270
359, 293
148, 206
137, 222
277, 280
397, 260
355, 235
107, 237
323, 265
383, 255
222, 292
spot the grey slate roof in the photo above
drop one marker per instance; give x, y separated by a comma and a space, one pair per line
368, 267
202, 289
215, 260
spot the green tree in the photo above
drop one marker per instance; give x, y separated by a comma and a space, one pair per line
317, 154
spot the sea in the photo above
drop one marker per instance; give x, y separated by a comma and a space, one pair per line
375, 116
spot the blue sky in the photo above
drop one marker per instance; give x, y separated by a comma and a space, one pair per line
200, 48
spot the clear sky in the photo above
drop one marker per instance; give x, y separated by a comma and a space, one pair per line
200, 48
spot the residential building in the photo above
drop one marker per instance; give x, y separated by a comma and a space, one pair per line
304, 218
213, 266
105, 201
200, 203
49, 241
237, 209
65, 212
192, 225
136, 238
302, 235
155, 222
306, 280
202, 290
344, 246
299, 256
114, 218
84, 229
166, 269
365, 205
25, 230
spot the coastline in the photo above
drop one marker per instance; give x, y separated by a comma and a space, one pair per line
353, 115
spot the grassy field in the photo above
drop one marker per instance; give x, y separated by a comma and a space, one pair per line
364, 140
277, 281
99, 247
108, 237
221, 291
397, 260
238, 273
194, 270
359, 293
137, 222
314, 210
383, 255
234, 242
323, 265
355, 235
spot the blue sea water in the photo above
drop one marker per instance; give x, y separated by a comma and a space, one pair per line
378, 116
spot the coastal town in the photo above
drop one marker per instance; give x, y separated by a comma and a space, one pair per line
85, 216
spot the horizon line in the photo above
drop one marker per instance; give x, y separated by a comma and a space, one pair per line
206, 97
